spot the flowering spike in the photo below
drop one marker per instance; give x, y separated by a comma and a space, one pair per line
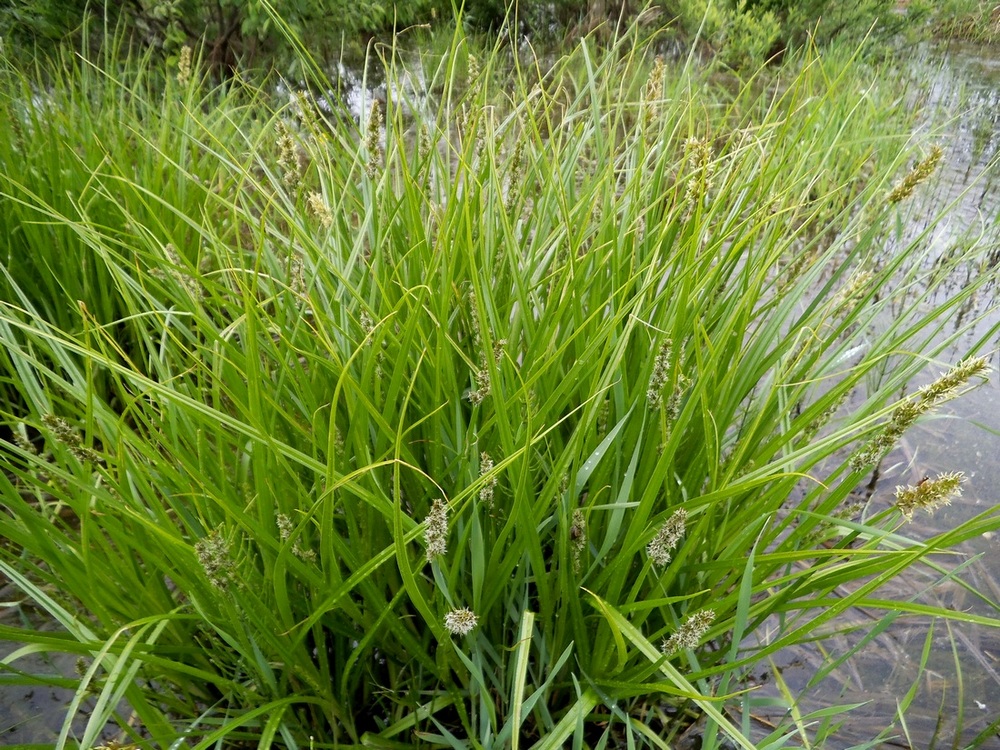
667, 537
213, 554
578, 538
461, 621
184, 66
318, 208
689, 634
485, 467
373, 140
920, 173
907, 412
660, 375
436, 532
929, 494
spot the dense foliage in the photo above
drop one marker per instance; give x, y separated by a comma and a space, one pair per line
513, 414
741, 33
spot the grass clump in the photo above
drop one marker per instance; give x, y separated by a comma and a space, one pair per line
499, 418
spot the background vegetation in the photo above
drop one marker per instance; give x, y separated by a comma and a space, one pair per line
741, 33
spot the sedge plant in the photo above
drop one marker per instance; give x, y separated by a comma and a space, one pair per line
503, 417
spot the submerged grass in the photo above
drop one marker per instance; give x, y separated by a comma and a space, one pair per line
504, 417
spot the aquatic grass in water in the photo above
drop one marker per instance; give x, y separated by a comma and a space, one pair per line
504, 422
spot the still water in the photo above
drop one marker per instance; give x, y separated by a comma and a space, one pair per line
956, 693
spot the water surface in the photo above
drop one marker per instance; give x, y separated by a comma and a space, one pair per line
956, 693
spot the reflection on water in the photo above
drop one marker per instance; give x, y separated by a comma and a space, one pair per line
956, 695
33, 713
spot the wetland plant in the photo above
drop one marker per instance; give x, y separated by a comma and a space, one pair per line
500, 419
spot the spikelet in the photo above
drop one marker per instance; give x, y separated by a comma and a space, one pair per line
485, 467
660, 375
483, 386
929, 494
373, 140
578, 538
700, 174
184, 66
285, 527
461, 621
69, 436
288, 156
213, 555
514, 176
667, 538
653, 92
689, 634
907, 412
920, 173
436, 530
318, 208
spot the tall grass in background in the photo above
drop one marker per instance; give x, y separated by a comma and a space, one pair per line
509, 416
